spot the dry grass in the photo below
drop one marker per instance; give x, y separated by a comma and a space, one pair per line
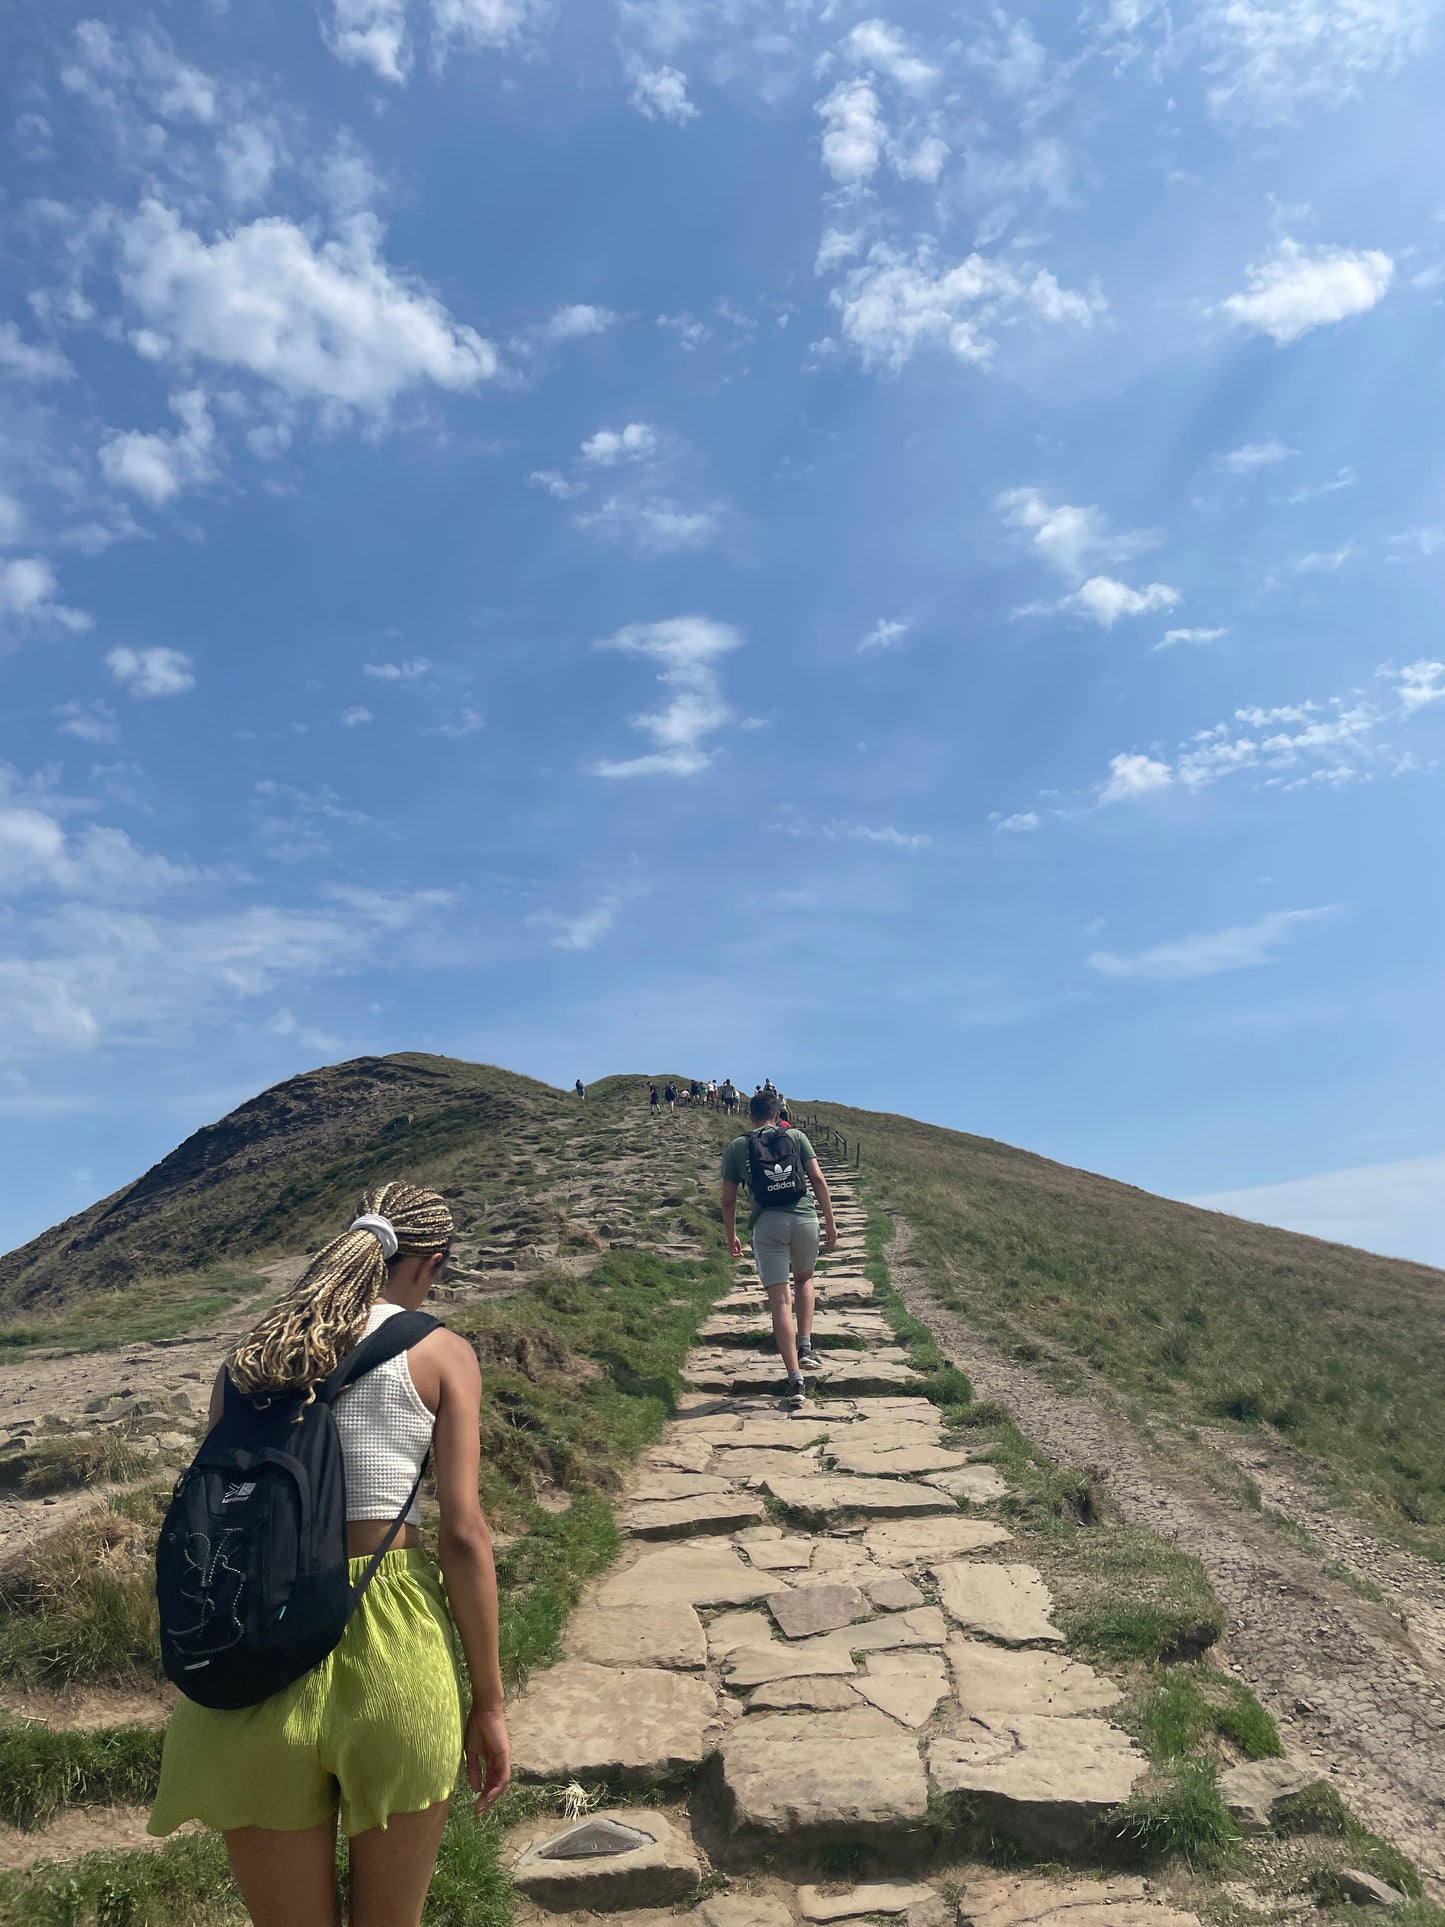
1204, 1318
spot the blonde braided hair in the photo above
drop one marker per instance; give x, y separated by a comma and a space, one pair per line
324, 1314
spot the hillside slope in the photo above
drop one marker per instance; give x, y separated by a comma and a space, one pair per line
1191, 1314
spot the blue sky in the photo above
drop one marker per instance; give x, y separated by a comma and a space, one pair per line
900, 550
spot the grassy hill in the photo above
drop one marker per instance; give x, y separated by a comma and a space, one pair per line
1198, 1316
1204, 1318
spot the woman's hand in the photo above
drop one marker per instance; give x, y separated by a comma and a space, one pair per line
489, 1755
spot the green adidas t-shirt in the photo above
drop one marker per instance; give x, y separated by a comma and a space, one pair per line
735, 1170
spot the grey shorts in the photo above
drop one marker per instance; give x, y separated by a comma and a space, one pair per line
783, 1242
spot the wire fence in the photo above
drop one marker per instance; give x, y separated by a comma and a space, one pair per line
823, 1133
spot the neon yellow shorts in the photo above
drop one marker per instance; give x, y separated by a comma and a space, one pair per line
375, 1729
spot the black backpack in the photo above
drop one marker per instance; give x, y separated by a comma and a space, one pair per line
775, 1170
251, 1577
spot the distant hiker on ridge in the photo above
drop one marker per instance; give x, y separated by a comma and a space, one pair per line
580, 1088
652, 1099
781, 1171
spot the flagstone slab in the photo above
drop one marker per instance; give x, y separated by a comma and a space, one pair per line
551, 1866
629, 1724
877, 1897
974, 1484
896, 1462
653, 1485
730, 1630
658, 1632
812, 1693
924, 1626
1019, 1900
751, 1325
679, 1455
704, 1574
814, 1778
747, 1666
1251, 1789
1008, 1603
1047, 1779
846, 1374
780, 1555
796, 1434
824, 1499
906, 1686
763, 1462
913, 1542
745, 1910
893, 1594
685, 1518
805, 1609
988, 1679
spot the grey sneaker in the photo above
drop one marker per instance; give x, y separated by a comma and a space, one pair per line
808, 1359
795, 1393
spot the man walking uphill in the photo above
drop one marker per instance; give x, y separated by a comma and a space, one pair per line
781, 1170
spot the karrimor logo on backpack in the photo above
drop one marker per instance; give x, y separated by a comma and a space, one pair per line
775, 1170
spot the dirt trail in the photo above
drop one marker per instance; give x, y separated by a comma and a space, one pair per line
1349, 1687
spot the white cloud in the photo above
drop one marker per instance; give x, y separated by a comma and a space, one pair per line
854, 135
89, 722
924, 162
1134, 776
1299, 288
157, 467
609, 446
1290, 745
654, 525
372, 33
247, 153
556, 484
687, 647
1398, 1208
582, 932
1022, 820
411, 671
145, 63
12, 520
885, 632
875, 43
891, 305
25, 362
1242, 461
27, 594
1237, 948
837, 245
328, 321
575, 321
487, 24
1281, 55
1173, 636
1324, 561
152, 672
355, 716
1105, 600
885, 837
1066, 537
466, 722
660, 93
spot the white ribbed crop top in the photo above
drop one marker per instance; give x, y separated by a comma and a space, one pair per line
385, 1434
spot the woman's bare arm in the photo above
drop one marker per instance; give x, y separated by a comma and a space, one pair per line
464, 1546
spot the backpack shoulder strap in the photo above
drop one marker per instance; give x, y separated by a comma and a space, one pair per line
398, 1334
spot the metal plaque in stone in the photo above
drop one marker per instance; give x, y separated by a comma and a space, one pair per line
594, 1840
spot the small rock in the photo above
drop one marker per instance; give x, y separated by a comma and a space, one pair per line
878, 1897
895, 1595
1251, 1789
1368, 1890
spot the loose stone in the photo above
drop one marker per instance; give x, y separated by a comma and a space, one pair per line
816, 1609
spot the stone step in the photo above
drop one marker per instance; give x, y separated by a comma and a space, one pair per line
625, 1725
844, 1374
1045, 1780
807, 1780
625, 1857
687, 1518
1024, 1900
824, 1500
753, 1326
1007, 1603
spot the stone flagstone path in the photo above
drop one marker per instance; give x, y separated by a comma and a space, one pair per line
817, 1608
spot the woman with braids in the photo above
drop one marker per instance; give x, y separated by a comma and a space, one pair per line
376, 1731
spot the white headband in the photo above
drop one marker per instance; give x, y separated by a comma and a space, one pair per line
382, 1229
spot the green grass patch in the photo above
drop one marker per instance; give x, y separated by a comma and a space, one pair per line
1185, 1815
67, 1461
137, 1313
1175, 1711
1319, 1811
43, 1771
187, 1883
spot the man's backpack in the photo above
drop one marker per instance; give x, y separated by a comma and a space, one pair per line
775, 1170
251, 1574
